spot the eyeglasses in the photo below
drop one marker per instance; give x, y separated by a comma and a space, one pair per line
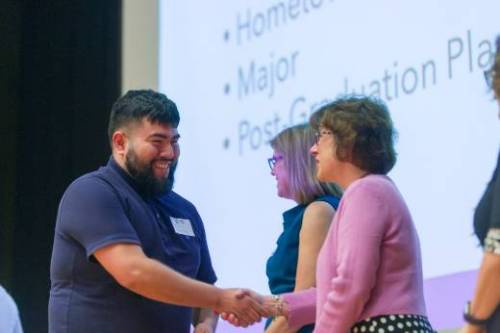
273, 160
319, 134
488, 76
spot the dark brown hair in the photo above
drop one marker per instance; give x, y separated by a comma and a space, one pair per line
136, 105
363, 131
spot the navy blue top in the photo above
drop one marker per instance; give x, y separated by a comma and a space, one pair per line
487, 214
103, 208
281, 267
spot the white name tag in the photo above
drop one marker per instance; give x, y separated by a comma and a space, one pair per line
182, 226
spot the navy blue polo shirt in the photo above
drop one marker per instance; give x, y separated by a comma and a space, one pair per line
103, 208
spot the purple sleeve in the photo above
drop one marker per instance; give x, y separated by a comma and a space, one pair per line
360, 231
301, 307
92, 214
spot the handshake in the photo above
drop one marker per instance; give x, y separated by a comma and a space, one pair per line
244, 307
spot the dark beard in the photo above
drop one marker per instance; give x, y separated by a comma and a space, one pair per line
145, 179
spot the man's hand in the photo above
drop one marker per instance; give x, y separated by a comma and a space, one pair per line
243, 305
266, 303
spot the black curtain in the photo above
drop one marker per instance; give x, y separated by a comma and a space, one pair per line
60, 64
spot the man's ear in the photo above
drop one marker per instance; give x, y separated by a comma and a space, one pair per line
119, 141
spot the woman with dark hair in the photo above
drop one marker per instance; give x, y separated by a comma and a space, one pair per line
482, 313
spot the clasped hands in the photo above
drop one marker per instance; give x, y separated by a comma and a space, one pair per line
244, 307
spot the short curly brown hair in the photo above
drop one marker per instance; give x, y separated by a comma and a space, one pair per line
363, 132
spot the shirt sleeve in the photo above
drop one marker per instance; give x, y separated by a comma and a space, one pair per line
301, 307
91, 213
9, 313
18, 328
360, 232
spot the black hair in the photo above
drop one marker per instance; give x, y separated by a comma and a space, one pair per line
136, 105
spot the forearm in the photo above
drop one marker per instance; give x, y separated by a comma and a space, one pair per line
278, 307
154, 280
300, 307
145, 276
487, 293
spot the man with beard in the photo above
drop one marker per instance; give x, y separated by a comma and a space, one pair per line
130, 255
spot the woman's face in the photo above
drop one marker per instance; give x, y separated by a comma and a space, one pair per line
281, 174
325, 153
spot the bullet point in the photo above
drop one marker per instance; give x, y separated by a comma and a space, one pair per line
227, 88
226, 143
226, 35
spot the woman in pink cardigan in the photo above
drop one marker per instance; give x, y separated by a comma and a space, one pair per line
369, 270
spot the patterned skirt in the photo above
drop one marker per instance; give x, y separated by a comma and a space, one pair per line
404, 323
